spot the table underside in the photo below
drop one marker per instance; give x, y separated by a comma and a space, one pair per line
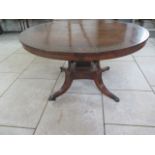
84, 70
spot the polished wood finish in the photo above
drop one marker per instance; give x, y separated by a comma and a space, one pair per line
84, 43
84, 40
84, 70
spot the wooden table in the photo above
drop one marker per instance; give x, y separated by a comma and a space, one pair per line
83, 43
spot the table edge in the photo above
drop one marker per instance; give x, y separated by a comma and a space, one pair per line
85, 56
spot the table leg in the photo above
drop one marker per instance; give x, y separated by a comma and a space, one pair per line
101, 86
84, 70
65, 87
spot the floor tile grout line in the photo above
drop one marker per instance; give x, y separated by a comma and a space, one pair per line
11, 72
103, 115
38, 78
43, 111
134, 90
14, 126
9, 56
47, 104
131, 125
1, 61
142, 56
86, 93
16, 78
143, 74
82, 93
27, 69
153, 90
110, 60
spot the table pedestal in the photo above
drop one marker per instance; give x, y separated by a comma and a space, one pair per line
84, 70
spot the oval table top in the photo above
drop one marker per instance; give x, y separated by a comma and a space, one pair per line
84, 40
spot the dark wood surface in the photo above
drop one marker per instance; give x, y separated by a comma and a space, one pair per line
84, 43
84, 40
84, 70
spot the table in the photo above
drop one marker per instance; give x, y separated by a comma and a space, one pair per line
83, 43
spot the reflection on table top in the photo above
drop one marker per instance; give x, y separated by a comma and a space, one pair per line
84, 36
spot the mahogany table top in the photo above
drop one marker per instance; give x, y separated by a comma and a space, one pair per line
84, 39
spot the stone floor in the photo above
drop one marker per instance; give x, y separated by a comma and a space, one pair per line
27, 80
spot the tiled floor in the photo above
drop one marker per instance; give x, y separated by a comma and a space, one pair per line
27, 80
